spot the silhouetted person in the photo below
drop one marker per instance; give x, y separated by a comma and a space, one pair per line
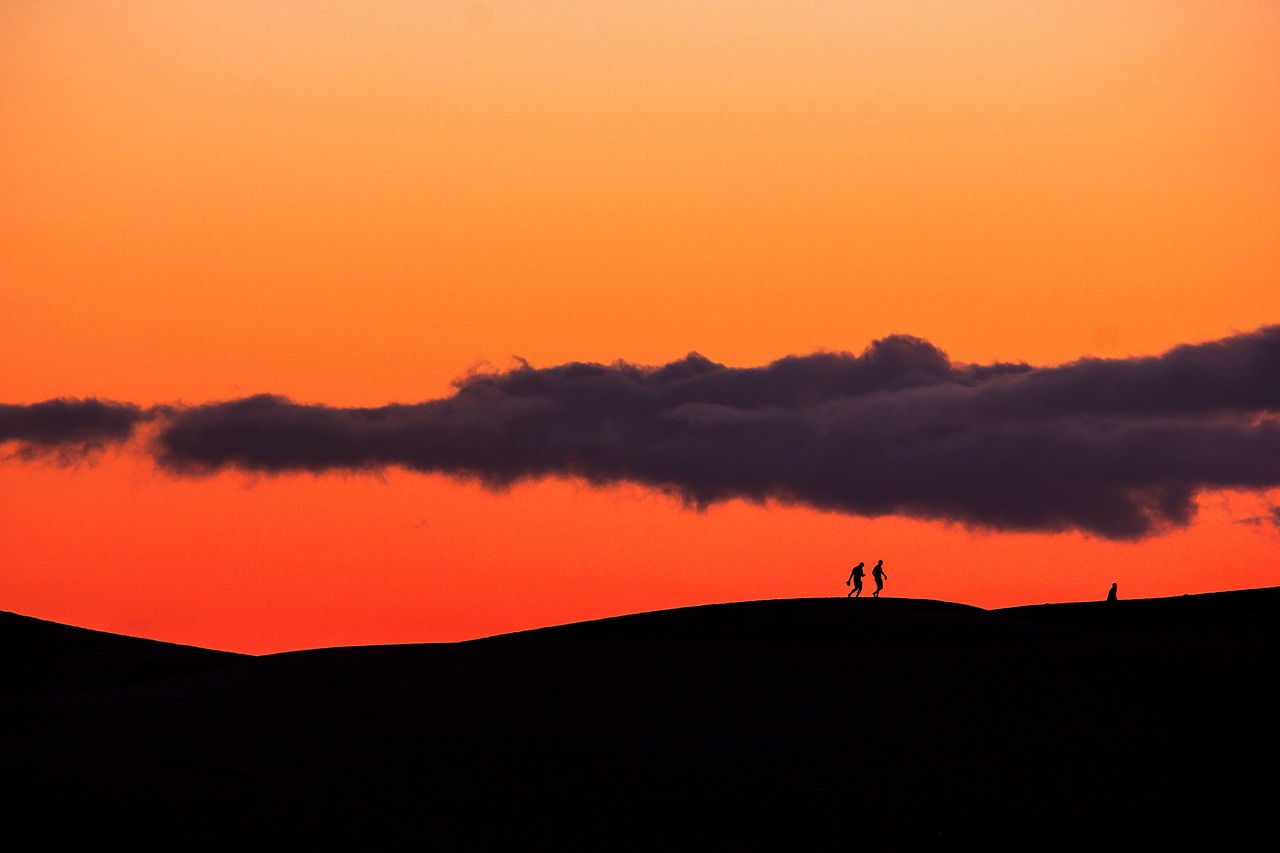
1111, 595
878, 574
856, 577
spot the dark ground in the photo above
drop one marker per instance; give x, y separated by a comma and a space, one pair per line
799, 724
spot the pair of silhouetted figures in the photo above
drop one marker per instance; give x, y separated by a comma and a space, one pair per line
878, 574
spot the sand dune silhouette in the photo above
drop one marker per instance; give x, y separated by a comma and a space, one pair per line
898, 724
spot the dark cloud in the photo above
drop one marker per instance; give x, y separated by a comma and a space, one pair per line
1272, 518
1118, 448
68, 426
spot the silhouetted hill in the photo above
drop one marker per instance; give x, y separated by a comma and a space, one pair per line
798, 620
39, 657
877, 724
1141, 613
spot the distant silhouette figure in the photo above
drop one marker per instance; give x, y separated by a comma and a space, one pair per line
1111, 595
856, 577
879, 574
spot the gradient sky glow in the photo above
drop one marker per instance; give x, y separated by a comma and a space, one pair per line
355, 204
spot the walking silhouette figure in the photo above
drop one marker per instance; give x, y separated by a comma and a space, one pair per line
1111, 595
856, 577
879, 574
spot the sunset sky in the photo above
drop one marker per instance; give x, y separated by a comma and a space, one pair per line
352, 204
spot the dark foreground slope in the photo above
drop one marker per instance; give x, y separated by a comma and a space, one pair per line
887, 724
39, 657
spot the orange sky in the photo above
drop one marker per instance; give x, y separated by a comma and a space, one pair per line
357, 203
